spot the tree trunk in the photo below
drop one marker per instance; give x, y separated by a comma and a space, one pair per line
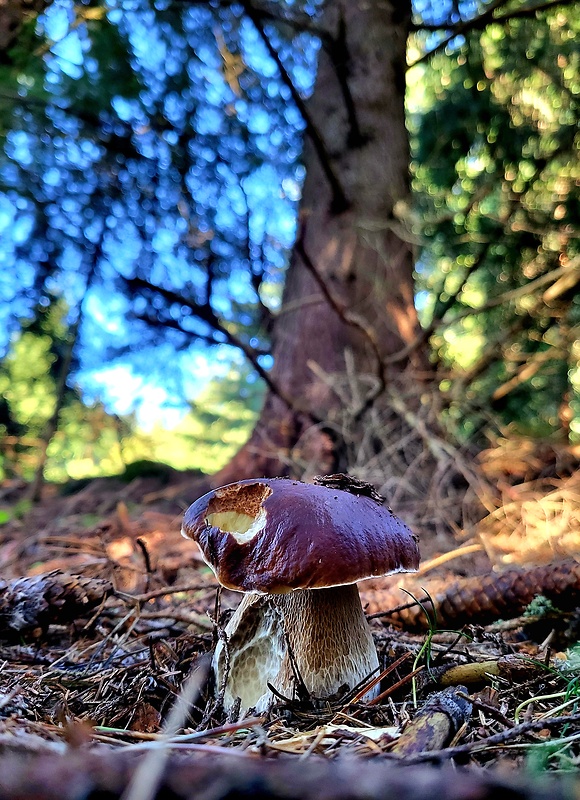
349, 287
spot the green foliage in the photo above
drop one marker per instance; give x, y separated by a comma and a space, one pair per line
87, 441
145, 469
26, 383
18, 511
558, 753
115, 76
90, 441
550, 756
539, 607
20, 69
219, 422
495, 174
571, 671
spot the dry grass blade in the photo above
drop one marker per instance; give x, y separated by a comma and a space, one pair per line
377, 679
145, 780
395, 687
458, 552
153, 740
531, 519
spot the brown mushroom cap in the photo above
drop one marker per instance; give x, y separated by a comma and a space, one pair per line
276, 535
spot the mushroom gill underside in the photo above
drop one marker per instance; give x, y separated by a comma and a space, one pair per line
326, 631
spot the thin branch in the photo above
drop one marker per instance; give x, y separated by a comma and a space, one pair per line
172, 324
487, 709
528, 11
209, 281
300, 22
256, 278
250, 354
208, 315
524, 373
515, 294
337, 50
203, 311
497, 739
340, 201
431, 28
443, 306
505, 337
463, 27
489, 356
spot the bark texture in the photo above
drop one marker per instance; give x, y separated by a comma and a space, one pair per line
349, 285
435, 724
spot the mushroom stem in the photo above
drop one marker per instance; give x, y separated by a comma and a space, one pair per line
330, 638
327, 632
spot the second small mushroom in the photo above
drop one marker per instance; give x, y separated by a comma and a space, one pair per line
296, 550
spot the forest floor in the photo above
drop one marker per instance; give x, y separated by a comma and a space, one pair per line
104, 608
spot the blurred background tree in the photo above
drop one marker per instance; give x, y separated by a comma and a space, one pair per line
152, 169
499, 216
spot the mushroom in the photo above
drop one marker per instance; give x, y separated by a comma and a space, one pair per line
297, 550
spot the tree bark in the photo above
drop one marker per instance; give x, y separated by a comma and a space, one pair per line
349, 286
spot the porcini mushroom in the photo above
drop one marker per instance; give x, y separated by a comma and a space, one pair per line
297, 550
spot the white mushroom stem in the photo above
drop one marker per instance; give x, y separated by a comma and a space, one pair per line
327, 633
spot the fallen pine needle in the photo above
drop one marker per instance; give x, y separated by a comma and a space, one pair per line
145, 780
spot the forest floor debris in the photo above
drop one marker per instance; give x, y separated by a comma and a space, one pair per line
108, 674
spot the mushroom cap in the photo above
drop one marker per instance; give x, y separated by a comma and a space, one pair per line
276, 535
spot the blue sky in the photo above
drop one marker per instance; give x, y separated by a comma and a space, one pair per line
141, 381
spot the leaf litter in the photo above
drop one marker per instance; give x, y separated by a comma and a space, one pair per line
128, 610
